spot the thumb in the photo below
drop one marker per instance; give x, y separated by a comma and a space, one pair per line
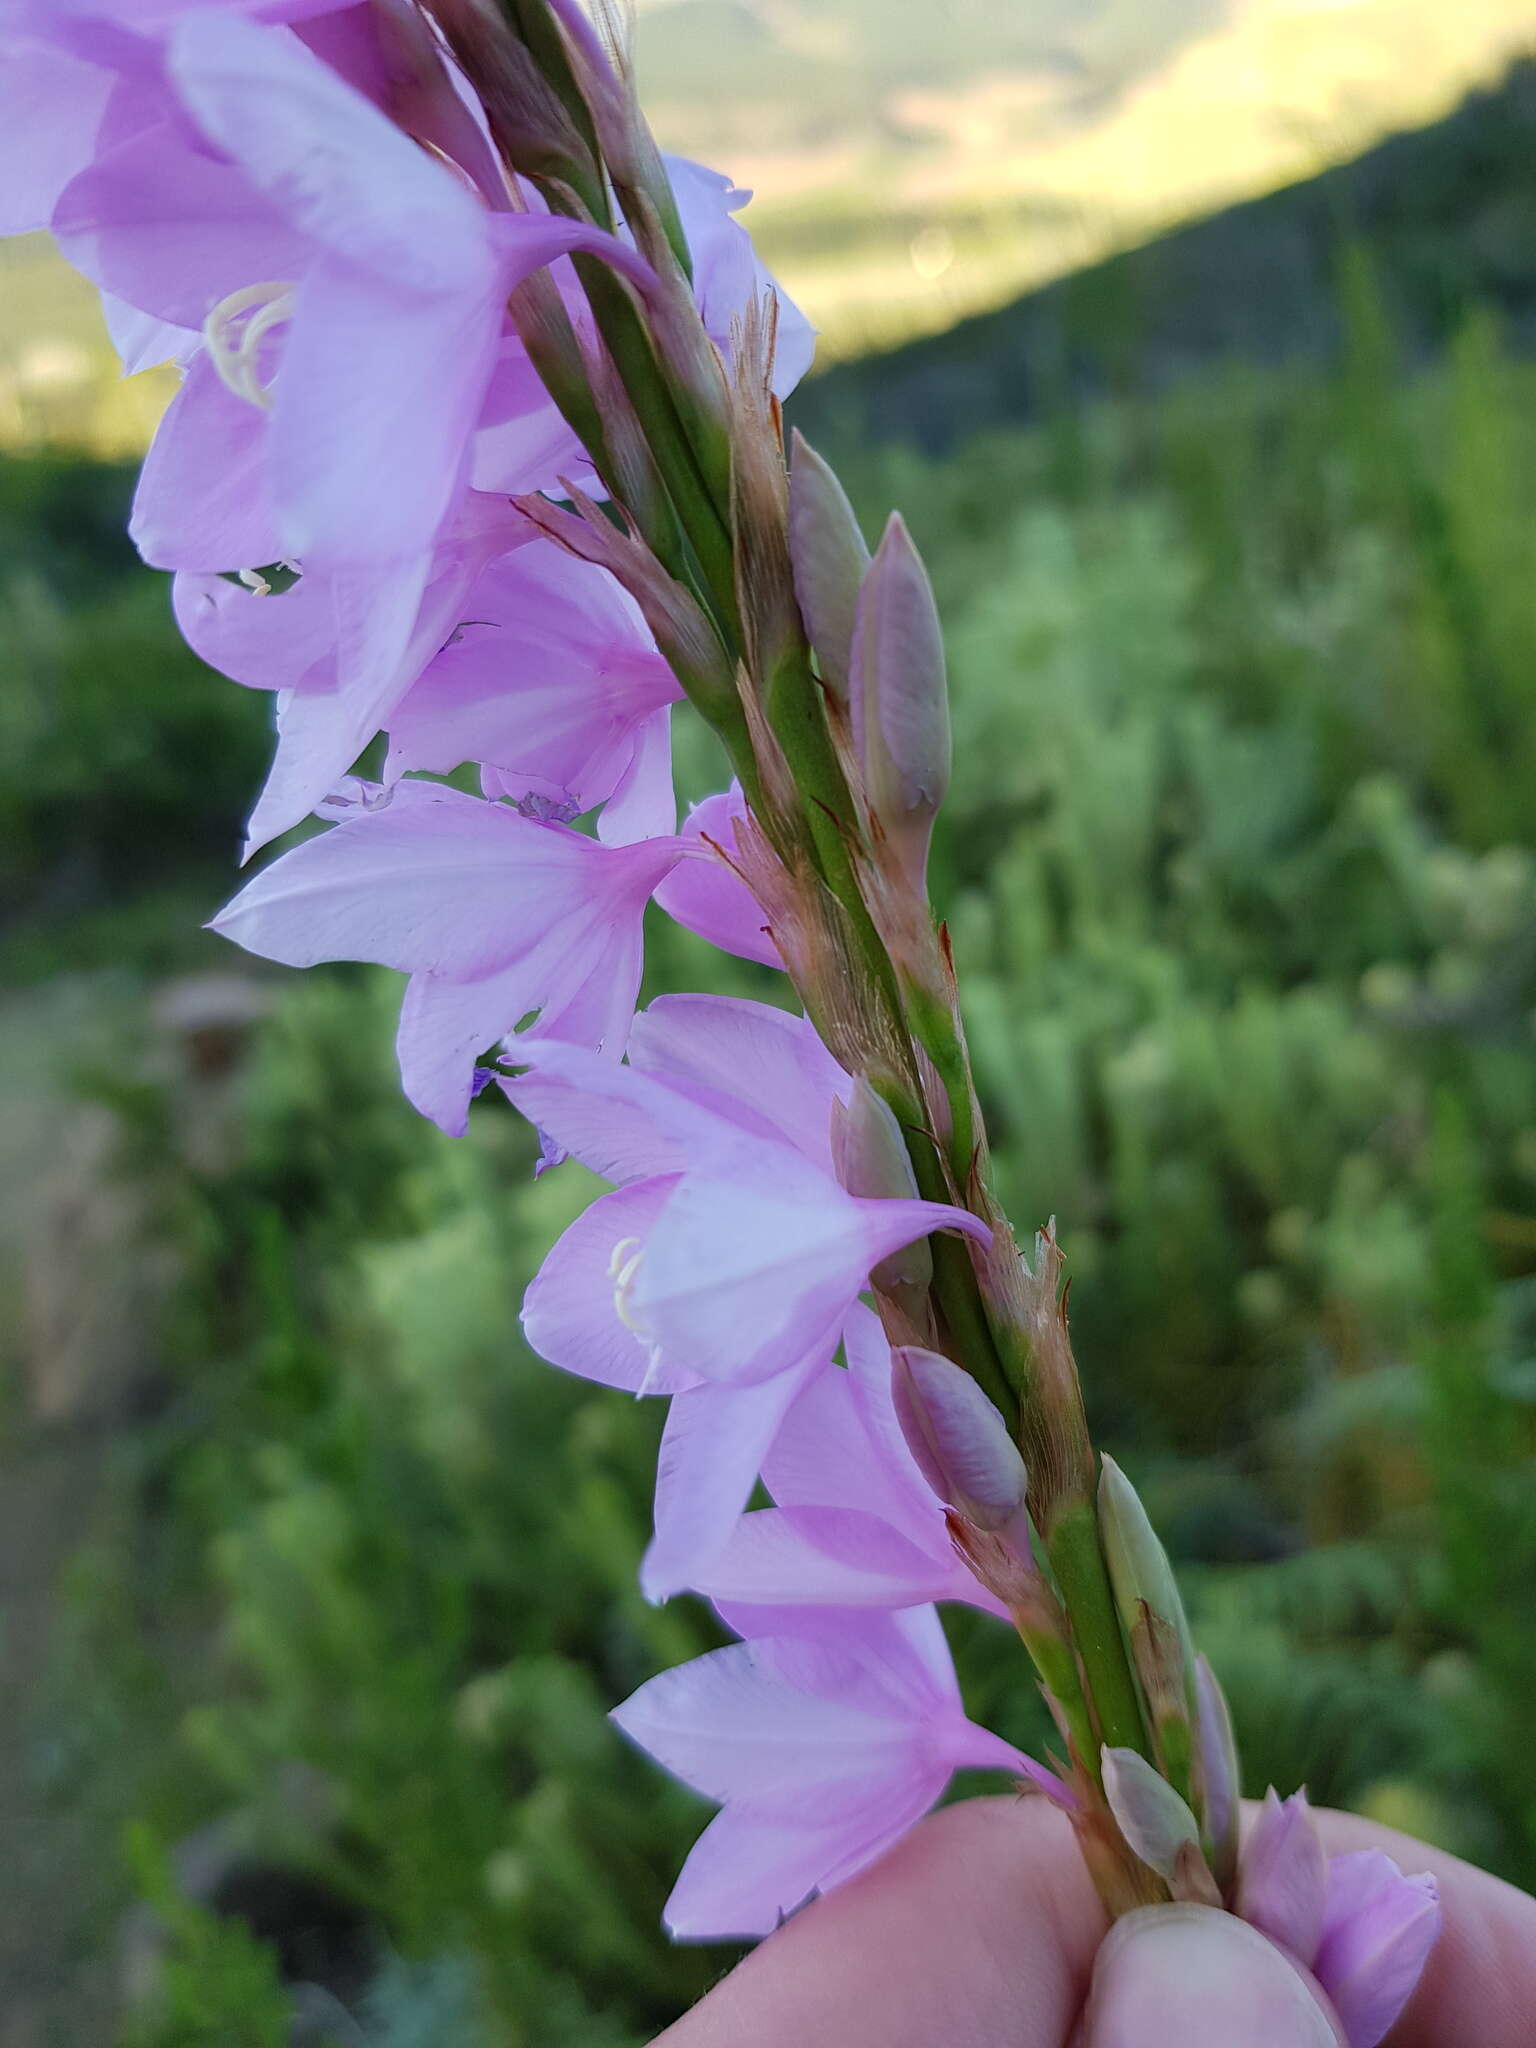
1167, 1976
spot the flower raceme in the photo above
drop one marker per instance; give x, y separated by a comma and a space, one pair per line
476, 468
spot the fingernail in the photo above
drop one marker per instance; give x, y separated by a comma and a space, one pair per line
1173, 1976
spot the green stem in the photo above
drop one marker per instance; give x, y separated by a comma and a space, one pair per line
1081, 1575
703, 520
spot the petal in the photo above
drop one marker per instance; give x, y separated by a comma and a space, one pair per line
1282, 1876
372, 410
437, 882
569, 1316
731, 1723
749, 1870
54, 108
743, 1276
202, 501
644, 803
711, 1453
328, 161
1378, 1930
766, 1059
825, 1557
334, 711
621, 1123
709, 897
171, 229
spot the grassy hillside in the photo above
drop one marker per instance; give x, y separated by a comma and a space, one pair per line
1444, 217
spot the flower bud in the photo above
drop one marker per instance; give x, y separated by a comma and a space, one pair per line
899, 700
870, 1156
959, 1440
1156, 1823
1152, 1615
830, 560
1218, 1786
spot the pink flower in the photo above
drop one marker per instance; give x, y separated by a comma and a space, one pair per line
725, 1265
552, 681
823, 1748
855, 1523
341, 648
709, 897
1362, 1927
492, 915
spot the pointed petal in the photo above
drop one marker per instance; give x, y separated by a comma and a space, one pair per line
731, 1724
749, 1870
1282, 1876
711, 1453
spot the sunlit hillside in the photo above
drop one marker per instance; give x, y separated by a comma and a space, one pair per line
919, 160
915, 163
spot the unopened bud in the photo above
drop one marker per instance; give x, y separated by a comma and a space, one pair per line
830, 560
958, 1439
1156, 1823
900, 699
1218, 1785
871, 1159
1152, 1614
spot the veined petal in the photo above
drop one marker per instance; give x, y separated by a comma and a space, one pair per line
621, 1123
437, 882
172, 230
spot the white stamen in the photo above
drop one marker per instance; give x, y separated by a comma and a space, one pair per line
623, 1265
255, 583
235, 330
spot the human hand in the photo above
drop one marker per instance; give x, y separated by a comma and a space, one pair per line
981, 1930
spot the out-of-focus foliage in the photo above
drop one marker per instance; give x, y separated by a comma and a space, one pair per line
1240, 875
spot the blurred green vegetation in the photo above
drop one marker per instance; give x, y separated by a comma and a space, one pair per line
1240, 872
